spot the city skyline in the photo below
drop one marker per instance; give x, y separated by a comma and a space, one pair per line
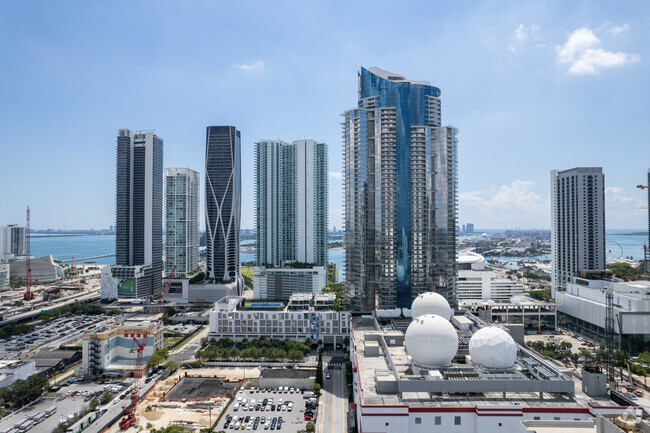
546, 75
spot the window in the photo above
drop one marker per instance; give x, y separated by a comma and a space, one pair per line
536, 418
556, 418
456, 420
418, 420
438, 420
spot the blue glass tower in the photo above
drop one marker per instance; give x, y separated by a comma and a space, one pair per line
400, 193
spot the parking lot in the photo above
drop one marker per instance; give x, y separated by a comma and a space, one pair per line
58, 330
277, 407
65, 403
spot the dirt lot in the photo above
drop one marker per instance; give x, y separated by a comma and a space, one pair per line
193, 415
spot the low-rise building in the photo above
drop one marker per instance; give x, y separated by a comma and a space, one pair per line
583, 308
427, 380
280, 283
43, 269
237, 318
126, 282
476, 282
12, 370
532, 314
111, 352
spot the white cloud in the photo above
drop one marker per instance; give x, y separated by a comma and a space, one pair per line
616, 194
521, 32
582, 52
335, 175
614, 30
250, 68
519, 195
522, 35
514, 205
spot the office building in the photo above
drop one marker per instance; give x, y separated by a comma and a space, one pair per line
469, 228
296, 321
400, 169
182, 220
463, 376
577, 223
223, 205
291, 202
137, 273
583, 308
12, 243
478, 283
280, 283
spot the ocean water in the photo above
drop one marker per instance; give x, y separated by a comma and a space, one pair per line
619, 243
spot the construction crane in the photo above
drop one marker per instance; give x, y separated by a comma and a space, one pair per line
28, 296
76, 274
139, 346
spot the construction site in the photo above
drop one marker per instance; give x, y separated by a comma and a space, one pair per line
192, 398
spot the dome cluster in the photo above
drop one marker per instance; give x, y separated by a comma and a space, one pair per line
431, 340
431, 303
492, 347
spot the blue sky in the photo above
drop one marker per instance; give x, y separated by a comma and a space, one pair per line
532, 86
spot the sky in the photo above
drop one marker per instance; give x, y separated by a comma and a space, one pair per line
531, 86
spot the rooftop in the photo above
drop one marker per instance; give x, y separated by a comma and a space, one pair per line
288, 373
383, 376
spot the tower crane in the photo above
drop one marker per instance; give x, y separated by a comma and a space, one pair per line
129, 409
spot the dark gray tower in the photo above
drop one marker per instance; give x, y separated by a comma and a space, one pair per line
223, 202
138, 219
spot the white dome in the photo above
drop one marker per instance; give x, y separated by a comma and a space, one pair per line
431, 303
431, 341
493, 347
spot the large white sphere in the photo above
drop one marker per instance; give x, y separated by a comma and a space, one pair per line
430, 303
493, 347
431, 341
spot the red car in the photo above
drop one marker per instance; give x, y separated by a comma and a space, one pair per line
308, 417
638, 393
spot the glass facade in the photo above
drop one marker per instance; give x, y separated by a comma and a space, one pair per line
182, 220
398, 207
138, 219
291, 209
222, 202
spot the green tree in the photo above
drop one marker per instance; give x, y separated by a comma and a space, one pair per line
158, 357
310, 427
106, 397
316, 388
171, 365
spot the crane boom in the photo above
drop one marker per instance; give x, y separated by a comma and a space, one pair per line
138, 349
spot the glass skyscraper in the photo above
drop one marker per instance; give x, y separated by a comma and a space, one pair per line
138, 220
291, 209
223, 203
182, 220
400, 193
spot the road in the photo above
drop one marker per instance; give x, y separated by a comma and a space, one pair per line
187, 351
332, 416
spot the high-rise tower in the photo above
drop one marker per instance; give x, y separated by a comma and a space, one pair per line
182, 220
223, 203
400, 193
138, 219
578, 223
291, 202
